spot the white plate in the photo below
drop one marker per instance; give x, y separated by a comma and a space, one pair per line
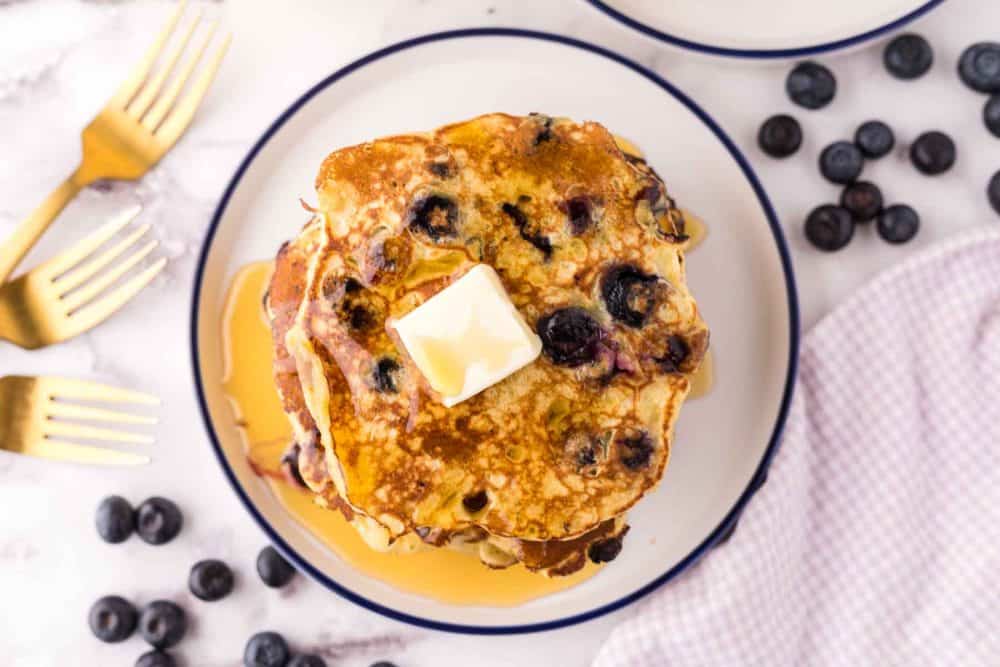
765, 28
741, 276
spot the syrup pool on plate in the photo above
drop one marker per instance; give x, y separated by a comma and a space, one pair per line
449, 576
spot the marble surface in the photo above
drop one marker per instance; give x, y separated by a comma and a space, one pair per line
60, 60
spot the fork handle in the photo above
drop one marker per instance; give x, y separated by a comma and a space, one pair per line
13, 250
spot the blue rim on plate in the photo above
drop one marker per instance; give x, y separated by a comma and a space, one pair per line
723, 527
796, 52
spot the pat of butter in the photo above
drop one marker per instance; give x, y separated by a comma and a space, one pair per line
468, 336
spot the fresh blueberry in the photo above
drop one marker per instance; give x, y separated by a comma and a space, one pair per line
780, 136
829, 227
908, 56
113, 619
274, 570
266, 649
155, 659
841, 162
898, 223
863, 200
158, 520
979, 67
162, 624
993, 192
210, 580
629, 294
382, 663
991, 115
307, 661
570, 336
811, 85
933, 153
115, 519
874, 138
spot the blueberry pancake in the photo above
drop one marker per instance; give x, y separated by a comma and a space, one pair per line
306, 463
541, 466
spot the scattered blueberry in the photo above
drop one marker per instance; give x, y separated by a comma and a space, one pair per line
113, 619
811, 85
908, 56
570, 336
841, 162
863, 200
158, 520
383, 663
307, 661
991, 115
210, 580
162, 624
266, 649
933, 153
993, 192
979, 67
780, 136
155, 659
829, 227
273, 569
115, 519
898, 223
874, 138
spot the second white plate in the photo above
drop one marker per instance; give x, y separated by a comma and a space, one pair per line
764, 28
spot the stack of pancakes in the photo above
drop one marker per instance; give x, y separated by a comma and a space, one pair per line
541, 467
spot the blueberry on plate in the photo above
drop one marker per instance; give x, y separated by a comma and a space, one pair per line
273, 569
898, 224
162, 624
841, 162
933, 153
829, 227
991, 115
780, 136
307, 661
266, 649
158, 520
210, 580
863, 200
908, 56
993, 192
155, 659
811, 85
979, 67
115, 519
382, 663
113, 619
874, 138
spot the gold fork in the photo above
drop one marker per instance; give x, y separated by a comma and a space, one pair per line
65, 296
40, 416
130, 135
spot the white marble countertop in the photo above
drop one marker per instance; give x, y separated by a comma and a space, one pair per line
60, 60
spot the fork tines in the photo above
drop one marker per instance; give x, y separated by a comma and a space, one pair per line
74, 420
152, 95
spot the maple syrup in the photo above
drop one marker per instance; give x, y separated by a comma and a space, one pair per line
442, 574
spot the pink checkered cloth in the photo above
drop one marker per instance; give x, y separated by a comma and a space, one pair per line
876, 540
